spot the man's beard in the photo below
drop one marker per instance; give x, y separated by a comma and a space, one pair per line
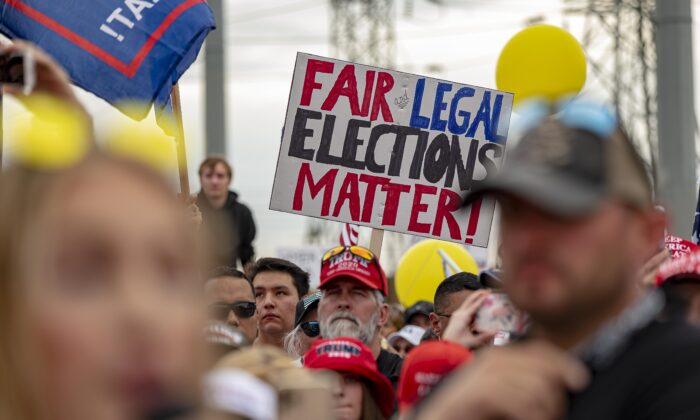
345, 324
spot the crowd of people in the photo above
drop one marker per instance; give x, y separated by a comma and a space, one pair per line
119, 301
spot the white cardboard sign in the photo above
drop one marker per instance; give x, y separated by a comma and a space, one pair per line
389, 150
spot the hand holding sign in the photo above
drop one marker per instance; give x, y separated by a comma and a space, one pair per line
543, 61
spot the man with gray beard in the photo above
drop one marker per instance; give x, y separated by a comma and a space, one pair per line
354, 289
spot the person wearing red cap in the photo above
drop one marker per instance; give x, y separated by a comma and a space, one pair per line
425, 367
362, 393
679, 279
354, 288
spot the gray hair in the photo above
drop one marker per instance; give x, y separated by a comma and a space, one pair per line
292, 343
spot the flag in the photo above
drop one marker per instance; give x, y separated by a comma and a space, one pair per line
696, 223
349, 235
128, 52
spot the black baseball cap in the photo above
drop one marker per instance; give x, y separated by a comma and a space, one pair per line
421, 307
570, 162
306, 304
491, 278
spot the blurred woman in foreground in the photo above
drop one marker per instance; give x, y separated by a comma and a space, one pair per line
99, 294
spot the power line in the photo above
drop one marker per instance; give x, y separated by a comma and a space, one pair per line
619, 39
276, 11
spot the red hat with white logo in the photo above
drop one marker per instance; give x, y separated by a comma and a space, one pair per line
679, 247
353, 262
685, 267
351, 356
425, 366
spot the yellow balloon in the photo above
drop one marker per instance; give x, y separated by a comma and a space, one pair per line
422, 268
57, 136
541, 60
142, 141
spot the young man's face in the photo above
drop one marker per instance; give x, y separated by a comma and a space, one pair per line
215, 181
276, 299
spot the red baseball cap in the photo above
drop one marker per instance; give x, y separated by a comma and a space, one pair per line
685, 266
349, 355
425, 366
353, 262
679, 247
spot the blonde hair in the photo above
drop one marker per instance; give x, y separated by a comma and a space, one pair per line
301, 393
24, 196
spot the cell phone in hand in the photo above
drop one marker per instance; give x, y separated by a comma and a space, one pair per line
17, 69
499, 316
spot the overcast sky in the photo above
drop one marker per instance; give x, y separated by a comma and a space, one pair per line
262, 38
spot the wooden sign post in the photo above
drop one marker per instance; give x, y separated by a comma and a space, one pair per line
180, 145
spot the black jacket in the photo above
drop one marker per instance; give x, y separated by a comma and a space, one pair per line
231, 231
657, 377
389, 365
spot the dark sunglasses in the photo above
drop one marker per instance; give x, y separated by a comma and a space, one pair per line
311, 328
242, 309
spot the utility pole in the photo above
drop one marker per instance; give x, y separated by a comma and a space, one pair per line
215, 85
676, 113
363, 31
618, 38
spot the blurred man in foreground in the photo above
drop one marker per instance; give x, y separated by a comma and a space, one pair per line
577, 225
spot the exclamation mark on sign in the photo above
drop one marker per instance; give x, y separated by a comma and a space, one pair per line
473, 221
111, 32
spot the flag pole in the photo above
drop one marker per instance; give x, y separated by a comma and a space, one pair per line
180, 145
375, 241
2, 129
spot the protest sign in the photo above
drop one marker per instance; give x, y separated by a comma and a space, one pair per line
389, 150
308, 258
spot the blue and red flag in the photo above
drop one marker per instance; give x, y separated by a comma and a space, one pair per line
121, 50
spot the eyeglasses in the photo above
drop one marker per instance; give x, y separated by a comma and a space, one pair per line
573, 113
443, 315
359, 251
311, 328
242, 309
